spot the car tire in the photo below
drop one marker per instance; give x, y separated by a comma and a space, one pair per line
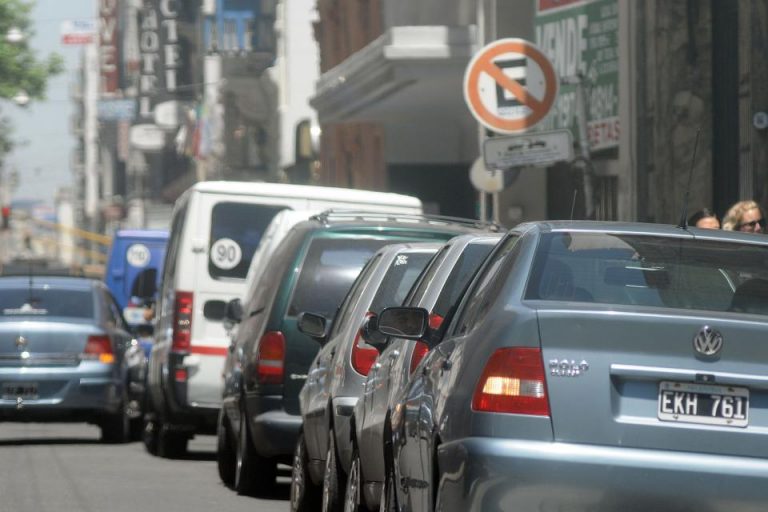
116, 428
226, 450
254, 475
353, 499
150, 434
170, 443
333, 480
305, 494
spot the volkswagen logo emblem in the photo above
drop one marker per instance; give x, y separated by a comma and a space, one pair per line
21, 342
708, 342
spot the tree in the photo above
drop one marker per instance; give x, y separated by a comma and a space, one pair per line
21, 69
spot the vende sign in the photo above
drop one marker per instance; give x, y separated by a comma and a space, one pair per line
108, 10
580, 37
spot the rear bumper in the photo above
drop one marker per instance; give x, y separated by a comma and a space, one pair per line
274, 431
83, 393
492, 474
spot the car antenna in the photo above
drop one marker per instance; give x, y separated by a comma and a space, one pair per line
573, 201
684, 214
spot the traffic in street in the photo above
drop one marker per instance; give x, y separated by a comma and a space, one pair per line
383, 256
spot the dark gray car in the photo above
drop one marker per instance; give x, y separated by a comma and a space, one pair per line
593, 366
437, 290
338, 371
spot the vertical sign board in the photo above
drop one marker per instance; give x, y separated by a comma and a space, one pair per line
581, 37
108, 37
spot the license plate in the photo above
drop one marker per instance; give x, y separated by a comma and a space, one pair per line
704, 404
12, 391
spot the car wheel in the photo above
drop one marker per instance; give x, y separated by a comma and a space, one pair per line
116, 428
253, 474
305, 495
226, 450
332, 478
171, 444
352, 497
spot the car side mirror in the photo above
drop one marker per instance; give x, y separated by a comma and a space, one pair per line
371, 335
402, 322
313, 325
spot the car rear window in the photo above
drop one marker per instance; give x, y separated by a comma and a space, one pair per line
651, 271
236, 230
45, 302
329, 269
399, 279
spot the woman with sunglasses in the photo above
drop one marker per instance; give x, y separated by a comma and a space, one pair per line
746, 216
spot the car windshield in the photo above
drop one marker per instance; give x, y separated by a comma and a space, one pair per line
45, 302
638, 270
329, 269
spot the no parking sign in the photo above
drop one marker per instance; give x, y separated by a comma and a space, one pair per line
510, 85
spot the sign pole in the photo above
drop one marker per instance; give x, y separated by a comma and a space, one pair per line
480, 127
585, 156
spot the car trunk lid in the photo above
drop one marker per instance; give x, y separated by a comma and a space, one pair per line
606, 370
35, 343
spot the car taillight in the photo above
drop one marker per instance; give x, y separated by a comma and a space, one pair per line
513, 382
363, 356
419, 351
435, 321
270, 362
99, 348
182, 322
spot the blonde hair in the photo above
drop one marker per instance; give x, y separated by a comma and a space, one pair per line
734, 214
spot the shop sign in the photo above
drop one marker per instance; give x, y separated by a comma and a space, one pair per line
581, 38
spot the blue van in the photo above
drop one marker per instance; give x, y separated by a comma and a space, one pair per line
133, 270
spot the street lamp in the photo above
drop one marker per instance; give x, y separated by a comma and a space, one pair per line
14, 35
21, 98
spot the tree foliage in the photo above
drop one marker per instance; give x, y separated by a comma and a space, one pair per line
21, 69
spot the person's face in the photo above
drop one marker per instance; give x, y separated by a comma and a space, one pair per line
708, 223
752, 221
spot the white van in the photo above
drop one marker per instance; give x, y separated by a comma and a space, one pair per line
215, 230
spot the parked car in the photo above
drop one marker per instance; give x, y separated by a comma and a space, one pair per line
437, 290
62, 343
133, 270
336, 375
312, 269
215, 230
593, 366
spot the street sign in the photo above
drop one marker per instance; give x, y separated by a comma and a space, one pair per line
537, 148
78, 32
510, 85
114, 109
485, 180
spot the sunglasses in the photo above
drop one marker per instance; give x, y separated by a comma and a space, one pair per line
753, 223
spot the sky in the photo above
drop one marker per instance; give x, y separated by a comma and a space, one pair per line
44, 127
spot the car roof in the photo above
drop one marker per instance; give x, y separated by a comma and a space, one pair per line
142, 233
304, 191
348, 219
72, 283
639, 228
